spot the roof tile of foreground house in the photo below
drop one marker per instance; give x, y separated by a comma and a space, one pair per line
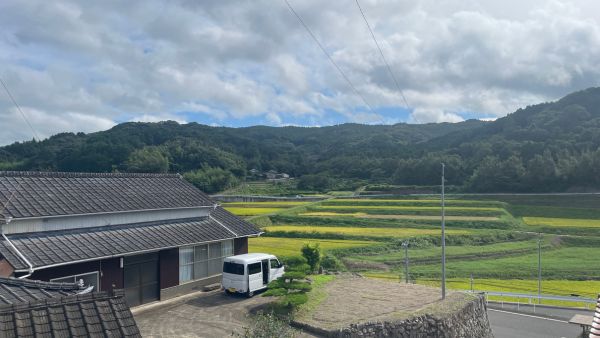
43, 309
46, 194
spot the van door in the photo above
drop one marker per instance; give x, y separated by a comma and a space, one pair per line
255, 277
265, 270
276, 270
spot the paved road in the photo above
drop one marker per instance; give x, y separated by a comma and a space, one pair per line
509, 325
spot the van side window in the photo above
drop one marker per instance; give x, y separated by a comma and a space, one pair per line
275, 264
254, 268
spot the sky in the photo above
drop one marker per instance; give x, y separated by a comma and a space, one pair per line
88, 65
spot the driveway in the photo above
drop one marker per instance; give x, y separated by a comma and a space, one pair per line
205, 315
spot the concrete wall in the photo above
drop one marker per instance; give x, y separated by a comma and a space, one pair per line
471, 320
186, 288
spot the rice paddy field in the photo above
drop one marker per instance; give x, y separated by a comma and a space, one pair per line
492, 238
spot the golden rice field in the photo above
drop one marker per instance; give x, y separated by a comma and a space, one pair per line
268, 204
413, 217
371, 232
286, 247
586, 289
406, 207
252, 211
562, 222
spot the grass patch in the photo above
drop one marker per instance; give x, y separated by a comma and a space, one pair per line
412, 202
364, 232
266, 204
572, 263
252, 211
562, 222
421, 255
410, 210
316, 295
288, 247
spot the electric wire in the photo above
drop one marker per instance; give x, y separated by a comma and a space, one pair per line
382, 55
329, 56
19, 109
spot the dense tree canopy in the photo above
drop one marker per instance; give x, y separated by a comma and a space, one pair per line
546, 147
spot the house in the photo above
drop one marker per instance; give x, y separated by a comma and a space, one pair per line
42, 309
271, 174
154, 235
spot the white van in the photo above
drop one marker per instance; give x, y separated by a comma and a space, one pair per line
250, 272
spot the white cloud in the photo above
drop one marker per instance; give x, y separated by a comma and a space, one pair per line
146, 61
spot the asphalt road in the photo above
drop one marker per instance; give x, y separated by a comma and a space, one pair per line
509, 325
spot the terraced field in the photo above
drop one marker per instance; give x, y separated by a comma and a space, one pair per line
490, 237
562, 222
362, 232
286, 247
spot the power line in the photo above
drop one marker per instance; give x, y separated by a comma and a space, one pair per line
382, 56
19, 109
14, 192
329, 56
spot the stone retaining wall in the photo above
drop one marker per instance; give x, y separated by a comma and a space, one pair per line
469, 321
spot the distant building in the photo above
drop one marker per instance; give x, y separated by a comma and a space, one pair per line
42, 309
271, 174
154, 235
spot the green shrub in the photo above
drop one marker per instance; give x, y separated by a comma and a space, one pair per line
332, 263
312, 253
268, 325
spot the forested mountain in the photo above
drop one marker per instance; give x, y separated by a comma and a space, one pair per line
546, 147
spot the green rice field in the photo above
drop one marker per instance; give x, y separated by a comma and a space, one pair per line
492, 237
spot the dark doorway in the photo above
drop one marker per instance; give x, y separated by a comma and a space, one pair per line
141, 279
265, 271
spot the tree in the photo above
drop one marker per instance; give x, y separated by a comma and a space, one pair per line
211, 180
312, 254
292, 287
148, 160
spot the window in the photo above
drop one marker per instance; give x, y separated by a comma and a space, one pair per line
233, 268
254, 268
201, 261
275, 264
88, 279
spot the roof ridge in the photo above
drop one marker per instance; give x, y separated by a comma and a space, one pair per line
64, 300
40, 284
66, 174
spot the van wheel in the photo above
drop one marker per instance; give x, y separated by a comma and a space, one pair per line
250, 294
227, 292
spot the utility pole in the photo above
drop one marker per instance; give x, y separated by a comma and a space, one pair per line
405, 246
471, 282
539, 268
443, 236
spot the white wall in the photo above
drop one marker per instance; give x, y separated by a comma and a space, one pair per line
88, 221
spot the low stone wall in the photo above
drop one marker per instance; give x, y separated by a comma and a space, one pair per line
469, 321
249, 198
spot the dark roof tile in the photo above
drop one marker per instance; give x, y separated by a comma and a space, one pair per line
43, 194
47, 248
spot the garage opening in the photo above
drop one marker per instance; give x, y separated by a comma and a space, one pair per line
141, 279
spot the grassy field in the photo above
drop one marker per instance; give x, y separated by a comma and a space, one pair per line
366, 232
267, 204
482, 238
452, 251
562, 222
415, 217
286, 247
248, 211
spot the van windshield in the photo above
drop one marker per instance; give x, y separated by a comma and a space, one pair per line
233, 268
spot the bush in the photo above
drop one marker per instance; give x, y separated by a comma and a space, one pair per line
292, 287
312, 253
268, 325
332, 263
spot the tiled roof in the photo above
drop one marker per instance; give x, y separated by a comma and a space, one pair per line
66, 246
87, 315
235, 223
42, 194
14, 290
